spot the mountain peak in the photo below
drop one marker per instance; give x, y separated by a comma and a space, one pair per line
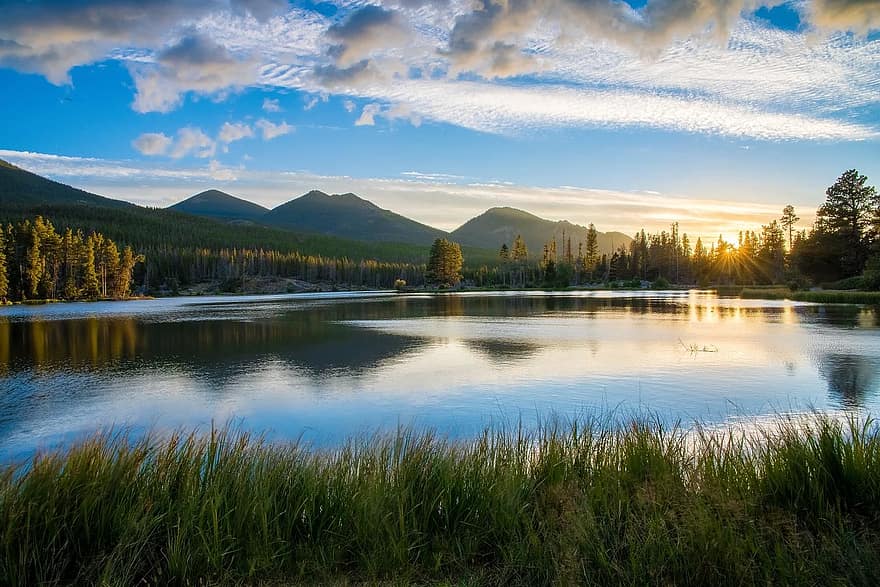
501, 225
220, 206
348, 216
314, 195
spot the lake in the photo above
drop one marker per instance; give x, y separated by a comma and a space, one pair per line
323, 367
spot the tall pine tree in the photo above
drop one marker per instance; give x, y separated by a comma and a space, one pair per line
91, 289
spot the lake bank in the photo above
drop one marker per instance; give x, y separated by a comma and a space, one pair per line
569, 504
814, 296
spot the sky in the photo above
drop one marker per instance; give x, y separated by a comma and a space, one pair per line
710, 113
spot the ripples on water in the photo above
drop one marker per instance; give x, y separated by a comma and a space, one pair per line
328, 366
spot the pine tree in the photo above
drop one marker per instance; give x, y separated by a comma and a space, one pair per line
4, 278
591, 250
846, 216
772, 251
91, 289
520, 252
33, 262
110, 266
788, 220
445, 263
504, 254
122, 281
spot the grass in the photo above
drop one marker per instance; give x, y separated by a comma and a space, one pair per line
569, 504
820, 297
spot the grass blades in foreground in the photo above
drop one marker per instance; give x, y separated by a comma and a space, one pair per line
578, 503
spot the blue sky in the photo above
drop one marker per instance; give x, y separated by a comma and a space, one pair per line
713, 113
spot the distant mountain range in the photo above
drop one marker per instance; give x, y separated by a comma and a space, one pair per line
341, 220
156, 231
352, 217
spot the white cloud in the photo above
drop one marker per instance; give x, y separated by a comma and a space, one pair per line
364, 31
368, 115
271, 130
231, 132
152, 143
193, 141
220, 172
860, 16
194, 64
708, 67
272, 105
349, 106
765, 83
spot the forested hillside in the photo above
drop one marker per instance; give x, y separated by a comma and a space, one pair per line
498, 226
181, 249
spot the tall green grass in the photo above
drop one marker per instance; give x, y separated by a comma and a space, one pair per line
820, 297
569, 504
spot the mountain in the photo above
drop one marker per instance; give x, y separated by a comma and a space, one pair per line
23, 188
220, 206
498, 226
162, 231
349, 216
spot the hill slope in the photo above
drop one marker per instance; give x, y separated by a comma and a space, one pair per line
349, 216
220, 206
497, 226
20, 187
25, 195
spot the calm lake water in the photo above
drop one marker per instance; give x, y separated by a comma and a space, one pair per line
325, 367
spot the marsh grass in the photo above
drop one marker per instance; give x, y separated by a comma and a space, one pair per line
819, 297
575, 503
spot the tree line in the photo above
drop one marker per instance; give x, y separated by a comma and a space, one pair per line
36, 262
169, 269
39, 263
841, 249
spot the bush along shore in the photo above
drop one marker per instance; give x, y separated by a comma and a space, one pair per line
568, 504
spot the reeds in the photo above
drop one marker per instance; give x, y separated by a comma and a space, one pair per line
573, 503
819, 297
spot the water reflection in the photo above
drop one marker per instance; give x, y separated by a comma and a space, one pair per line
337, 365
504, 352
851, 378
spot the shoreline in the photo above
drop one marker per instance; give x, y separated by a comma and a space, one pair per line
770, 292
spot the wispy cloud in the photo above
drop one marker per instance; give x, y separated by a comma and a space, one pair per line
708, 67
